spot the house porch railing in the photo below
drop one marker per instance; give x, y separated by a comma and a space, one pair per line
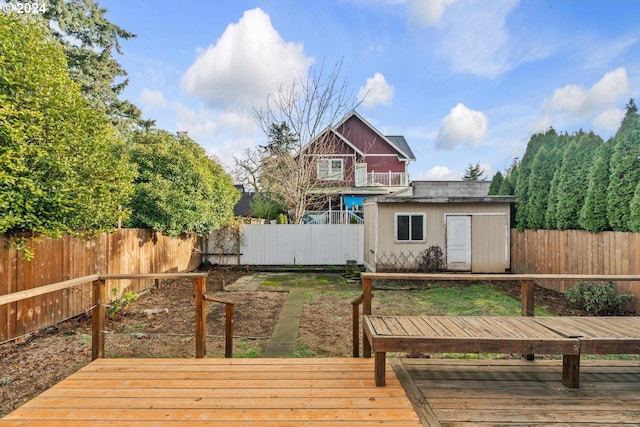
386, 179
332, 217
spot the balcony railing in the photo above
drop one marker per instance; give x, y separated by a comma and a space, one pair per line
332, 217
386, 179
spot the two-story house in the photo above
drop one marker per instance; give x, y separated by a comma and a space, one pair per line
354, 161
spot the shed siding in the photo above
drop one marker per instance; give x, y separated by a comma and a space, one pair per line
489, 217
489, 243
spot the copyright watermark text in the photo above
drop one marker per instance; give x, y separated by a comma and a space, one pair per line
24, 7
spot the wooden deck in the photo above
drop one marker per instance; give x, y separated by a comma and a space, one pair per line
336, 392
220, 392
492, 393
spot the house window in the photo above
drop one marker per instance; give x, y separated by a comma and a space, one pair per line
330, 169
410, 227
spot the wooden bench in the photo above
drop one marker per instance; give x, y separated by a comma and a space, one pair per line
569, 336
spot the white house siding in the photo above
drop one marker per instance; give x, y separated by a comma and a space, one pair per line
294, 244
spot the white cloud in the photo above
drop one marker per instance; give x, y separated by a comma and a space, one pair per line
376, 92
225, 133
461, 125
475, 39
439, 173
247, 62
574, 104
206, 123
427, 12
609, 120
152, 99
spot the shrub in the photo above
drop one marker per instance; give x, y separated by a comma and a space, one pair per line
597, 298
432, 259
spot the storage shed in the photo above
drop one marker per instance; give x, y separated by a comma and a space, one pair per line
471, 228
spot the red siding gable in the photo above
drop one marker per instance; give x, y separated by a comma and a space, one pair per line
378, 154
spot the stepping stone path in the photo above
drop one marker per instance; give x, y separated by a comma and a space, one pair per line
283, 339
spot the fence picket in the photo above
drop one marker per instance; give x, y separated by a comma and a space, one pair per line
577, 252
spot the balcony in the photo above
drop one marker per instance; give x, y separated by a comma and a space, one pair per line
384, 179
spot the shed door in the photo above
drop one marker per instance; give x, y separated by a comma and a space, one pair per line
459, 242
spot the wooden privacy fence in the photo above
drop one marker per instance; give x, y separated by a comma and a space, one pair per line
126, 251
577, 252
99, 300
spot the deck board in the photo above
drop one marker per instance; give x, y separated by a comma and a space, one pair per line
492, 393
217, 392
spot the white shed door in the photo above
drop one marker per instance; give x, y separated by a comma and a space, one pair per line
459, 242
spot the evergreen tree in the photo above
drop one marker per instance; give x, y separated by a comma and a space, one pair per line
508, 188
624, 170
539, 183
555, 163
90, 42
508, 184
573, 178
473, 173
634, 216
496, 183
593, 214
524, 172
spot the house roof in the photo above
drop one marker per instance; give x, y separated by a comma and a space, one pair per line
401, 143
243, 206
397, 142
432, 189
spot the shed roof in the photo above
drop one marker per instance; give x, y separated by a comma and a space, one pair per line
451, 199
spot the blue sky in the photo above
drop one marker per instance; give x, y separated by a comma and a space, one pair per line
464, 81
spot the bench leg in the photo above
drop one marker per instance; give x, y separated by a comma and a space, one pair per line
571, 370
380, 374
366, 345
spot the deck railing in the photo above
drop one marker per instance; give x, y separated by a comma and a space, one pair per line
99, 304
387, 179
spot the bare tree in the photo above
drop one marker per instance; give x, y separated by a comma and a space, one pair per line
307, 109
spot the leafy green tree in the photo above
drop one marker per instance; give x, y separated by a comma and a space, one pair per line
62, 169
593, 214
496, 183
624, 170
90, 42
179, 189
473, 173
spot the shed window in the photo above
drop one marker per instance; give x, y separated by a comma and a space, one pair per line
410, 227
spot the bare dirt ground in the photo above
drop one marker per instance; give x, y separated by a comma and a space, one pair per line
31, 365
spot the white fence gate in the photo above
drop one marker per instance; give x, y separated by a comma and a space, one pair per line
286, 244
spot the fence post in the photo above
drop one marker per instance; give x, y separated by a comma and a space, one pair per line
355, 322
97, 319
527, 299
228, 331
366, 309
200, 285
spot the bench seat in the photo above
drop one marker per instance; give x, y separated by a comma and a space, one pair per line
468, 334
